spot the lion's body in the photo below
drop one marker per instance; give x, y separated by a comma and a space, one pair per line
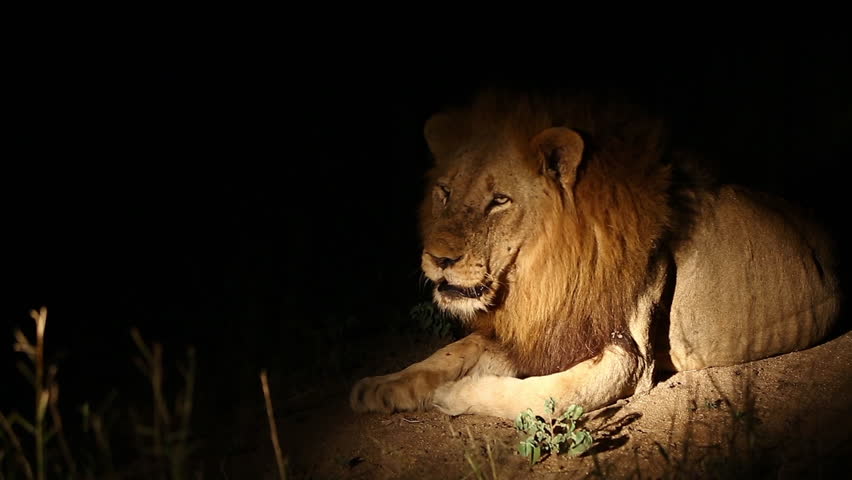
754, 279
582, 266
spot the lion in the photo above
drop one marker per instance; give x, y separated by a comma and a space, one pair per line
584, 257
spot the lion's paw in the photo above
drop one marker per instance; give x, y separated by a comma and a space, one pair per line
397, 392
450, 398
487, 395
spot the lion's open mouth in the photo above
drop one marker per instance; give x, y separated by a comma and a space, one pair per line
467, 292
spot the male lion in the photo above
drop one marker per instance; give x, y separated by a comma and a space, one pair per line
565, 238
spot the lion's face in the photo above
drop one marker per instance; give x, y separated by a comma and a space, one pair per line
492, 194
482, 210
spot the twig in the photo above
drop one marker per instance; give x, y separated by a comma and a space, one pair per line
42, 396
273, 430
473, 466
151, 365
57, 421
22, 459
491, 459
185, 407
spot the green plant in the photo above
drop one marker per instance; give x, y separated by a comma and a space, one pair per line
558, 435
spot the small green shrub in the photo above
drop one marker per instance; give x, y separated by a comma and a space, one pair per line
559, 435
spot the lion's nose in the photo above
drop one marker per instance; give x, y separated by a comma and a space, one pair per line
444, 262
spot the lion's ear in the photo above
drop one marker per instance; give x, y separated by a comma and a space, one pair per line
442, 134
561, 151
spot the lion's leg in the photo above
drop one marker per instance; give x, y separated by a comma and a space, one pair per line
412, 388
592, 384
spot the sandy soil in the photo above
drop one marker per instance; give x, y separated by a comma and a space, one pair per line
782, 417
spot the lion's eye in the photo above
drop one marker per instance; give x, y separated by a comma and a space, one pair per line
444, 192
498, 200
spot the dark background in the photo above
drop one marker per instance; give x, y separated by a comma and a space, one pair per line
242, 194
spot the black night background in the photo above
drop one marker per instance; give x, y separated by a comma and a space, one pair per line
257, 199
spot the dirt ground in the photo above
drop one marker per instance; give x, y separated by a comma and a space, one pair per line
784, 417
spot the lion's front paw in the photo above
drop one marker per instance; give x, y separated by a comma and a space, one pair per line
403, 391
449, 398
488, 395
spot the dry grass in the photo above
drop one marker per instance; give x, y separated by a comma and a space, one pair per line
169, 431
273, 429
164, 446
163, 441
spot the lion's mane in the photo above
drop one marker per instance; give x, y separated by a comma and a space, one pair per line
575, 287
